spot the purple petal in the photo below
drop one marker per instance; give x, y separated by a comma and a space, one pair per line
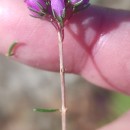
34, 4
58, 6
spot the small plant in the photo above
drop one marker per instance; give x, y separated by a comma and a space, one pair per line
58, 13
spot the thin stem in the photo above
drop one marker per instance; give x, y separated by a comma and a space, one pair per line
62, 79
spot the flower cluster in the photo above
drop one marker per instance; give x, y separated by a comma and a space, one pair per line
59, 10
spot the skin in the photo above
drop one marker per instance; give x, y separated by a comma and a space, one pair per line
96, 46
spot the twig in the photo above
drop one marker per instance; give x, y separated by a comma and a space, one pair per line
62, 79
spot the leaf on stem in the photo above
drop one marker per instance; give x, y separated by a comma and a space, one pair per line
45, 110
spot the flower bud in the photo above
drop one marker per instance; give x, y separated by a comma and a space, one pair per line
58, 7
37, 7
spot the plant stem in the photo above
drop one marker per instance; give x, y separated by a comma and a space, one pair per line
62, 80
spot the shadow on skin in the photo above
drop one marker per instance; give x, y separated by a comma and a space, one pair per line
103, 26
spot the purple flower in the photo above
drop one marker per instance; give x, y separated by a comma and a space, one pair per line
38, 7
56, 10
78, 2
58, 6
35, 4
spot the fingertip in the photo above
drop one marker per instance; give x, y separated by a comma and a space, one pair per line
120, 124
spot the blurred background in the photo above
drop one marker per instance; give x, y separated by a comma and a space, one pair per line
23, 88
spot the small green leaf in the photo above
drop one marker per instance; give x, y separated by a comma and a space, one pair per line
11, 49
45, 110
